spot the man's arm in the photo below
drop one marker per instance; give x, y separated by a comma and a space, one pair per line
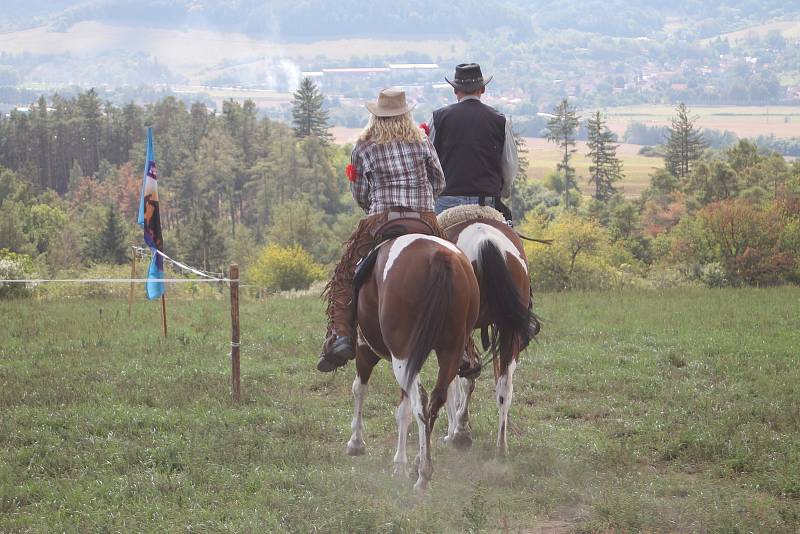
509, 164
434, 170
431, 129
360, 186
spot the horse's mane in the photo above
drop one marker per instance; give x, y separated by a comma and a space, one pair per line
459, 214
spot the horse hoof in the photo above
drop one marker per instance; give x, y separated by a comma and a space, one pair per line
421, 487
356, 448
461, 440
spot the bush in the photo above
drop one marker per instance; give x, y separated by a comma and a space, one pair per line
15, 267
713, 275
582, 256
283, 268
664, 277
744, 239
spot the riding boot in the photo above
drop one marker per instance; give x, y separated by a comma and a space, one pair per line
338, 348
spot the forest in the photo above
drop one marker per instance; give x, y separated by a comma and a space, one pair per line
237, 187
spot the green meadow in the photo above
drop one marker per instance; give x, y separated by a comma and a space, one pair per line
744, 121
543, 158
672, 411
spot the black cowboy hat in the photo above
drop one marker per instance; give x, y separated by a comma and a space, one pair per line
468, 78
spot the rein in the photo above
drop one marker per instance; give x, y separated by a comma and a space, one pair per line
542, 241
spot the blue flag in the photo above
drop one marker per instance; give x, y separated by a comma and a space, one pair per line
151, 222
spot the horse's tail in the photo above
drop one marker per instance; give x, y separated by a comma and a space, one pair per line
438, 293
512, 317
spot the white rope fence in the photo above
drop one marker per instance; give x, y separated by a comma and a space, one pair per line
117, 280
145, 252
141, 252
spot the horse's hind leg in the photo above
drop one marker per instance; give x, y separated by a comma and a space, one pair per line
403, 418
447, 384
417, 399
504, 391
462, 435
365, 362
454, 401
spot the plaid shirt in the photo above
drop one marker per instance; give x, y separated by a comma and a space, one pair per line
396, 174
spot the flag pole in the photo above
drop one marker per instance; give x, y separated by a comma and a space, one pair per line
164, 314
133, 276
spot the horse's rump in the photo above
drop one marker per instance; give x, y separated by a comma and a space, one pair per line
498, 256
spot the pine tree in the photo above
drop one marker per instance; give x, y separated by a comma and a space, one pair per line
42, 128
684, 144
110, 244
520, 188
307, 114
605, 168
91, 117
524, 163
561, 130
202, 243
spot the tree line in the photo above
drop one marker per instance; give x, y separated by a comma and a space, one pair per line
273, 197
70, 170
710, 216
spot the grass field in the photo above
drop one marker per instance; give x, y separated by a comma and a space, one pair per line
674, 412
544, 158
790, 29
744, 121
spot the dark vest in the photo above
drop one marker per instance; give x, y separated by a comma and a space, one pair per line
469, 138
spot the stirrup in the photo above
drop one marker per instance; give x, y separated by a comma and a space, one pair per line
336, 352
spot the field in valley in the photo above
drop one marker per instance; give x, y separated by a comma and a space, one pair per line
636, 411
544, 158
744, 121
790, 29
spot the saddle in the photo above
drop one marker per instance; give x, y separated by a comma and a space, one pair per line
399, 222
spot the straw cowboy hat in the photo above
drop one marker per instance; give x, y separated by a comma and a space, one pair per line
390, 104
468, 78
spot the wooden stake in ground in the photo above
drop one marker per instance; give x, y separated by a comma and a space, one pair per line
133, 276
164, 314
234, 276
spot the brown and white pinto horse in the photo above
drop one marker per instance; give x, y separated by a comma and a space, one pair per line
422, 295
498, 257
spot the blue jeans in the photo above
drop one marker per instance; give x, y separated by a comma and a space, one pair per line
443, 203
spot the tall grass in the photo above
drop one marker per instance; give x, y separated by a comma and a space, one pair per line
673, 411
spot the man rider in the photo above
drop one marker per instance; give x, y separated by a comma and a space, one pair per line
475, 144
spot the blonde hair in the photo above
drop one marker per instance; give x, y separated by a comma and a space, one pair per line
387, 129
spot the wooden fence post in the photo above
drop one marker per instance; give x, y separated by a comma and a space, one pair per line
234, 276
164, 314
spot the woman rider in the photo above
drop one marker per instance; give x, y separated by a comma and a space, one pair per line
393, 166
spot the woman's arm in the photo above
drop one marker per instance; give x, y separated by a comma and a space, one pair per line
359, 186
